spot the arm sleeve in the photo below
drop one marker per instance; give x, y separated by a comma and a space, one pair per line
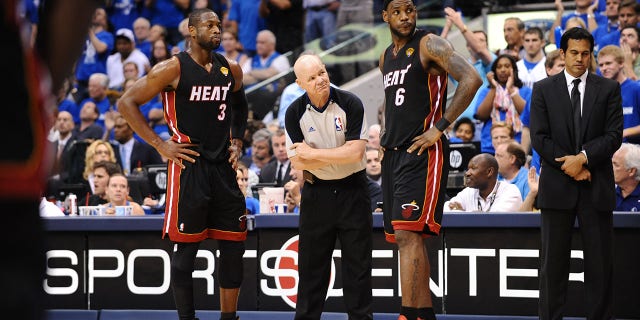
240, 112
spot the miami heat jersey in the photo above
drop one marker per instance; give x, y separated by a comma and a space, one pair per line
409, 115
198, 110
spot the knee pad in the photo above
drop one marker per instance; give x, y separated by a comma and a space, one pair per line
182, 262
231, 269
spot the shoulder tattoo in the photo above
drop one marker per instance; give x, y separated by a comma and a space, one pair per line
438, 48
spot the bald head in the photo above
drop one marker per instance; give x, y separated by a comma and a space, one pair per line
312, 77
487, 161
306, 62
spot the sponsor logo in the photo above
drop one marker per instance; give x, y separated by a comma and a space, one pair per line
224, 71
312, 129
285, 272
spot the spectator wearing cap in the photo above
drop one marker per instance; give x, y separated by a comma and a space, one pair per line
125, 51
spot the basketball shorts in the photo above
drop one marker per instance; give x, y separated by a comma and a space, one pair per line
204, 202
414, 190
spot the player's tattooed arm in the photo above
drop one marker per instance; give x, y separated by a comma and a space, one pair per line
439, 52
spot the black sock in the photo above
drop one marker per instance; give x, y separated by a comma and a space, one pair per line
228, 315
426, 314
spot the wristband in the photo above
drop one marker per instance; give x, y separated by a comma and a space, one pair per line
513, 94
464, 29
442, 124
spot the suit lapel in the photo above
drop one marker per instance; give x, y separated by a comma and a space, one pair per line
590, 92
562, 92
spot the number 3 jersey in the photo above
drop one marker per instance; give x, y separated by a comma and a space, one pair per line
198, 111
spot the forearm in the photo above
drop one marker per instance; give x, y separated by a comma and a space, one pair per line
525, 140
518, 101
529, 201
628, 70
240, 112
466, 90
629, 132
484, 108
350, 152
131, 112
306, 164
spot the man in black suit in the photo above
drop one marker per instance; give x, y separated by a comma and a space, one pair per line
576, 178
131, 154
277, 171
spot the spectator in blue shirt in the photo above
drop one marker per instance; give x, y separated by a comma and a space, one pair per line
511, 166
242, 176
626, 174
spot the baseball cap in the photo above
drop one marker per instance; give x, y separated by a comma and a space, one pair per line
125, 33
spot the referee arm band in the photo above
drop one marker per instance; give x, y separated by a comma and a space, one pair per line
442, 124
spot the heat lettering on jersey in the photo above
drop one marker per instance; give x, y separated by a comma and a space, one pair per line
209, 93
395, 77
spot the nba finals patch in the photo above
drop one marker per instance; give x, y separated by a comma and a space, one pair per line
224, 70
409, 52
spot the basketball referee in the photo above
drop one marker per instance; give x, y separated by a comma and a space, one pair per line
326, 136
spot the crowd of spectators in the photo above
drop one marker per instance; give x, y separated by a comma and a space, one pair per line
127, 38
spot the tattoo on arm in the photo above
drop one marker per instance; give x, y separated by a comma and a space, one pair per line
439, 50
441, 53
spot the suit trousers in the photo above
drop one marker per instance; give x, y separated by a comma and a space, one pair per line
596, 232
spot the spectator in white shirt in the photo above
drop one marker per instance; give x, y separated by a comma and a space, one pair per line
484, 193
125, 51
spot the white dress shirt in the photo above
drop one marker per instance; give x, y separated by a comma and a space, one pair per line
505, 197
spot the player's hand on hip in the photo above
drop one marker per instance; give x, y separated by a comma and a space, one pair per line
425, 140
235, 152
177, 152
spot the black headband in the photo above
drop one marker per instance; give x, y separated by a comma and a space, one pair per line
385, 4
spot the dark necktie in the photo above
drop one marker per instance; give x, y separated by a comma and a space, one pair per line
279, 174
575, 103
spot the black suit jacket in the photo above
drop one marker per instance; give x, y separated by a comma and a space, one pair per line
552, 137
142, 154
268, 173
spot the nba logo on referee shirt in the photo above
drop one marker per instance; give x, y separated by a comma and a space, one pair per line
338, 123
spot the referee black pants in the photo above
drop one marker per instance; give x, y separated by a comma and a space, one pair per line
335, 210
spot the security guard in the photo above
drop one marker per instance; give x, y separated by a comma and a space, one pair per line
326, 137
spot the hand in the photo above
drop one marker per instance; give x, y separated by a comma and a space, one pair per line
425, 140
110, 211
110, 119
626, 50
532, 180
455, 206
593, 7
235, 152
583, 175
148, 201
509, 85
303, 150
572, 165
177, 152
492, 79
454, 16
